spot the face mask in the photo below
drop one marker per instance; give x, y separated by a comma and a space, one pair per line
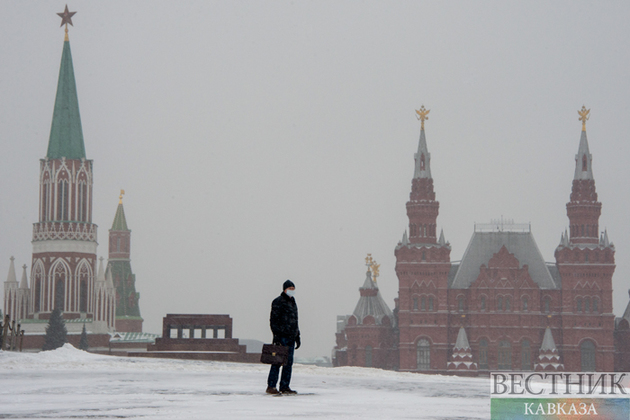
290, 293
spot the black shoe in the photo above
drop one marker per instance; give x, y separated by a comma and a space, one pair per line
288, 391
271, 390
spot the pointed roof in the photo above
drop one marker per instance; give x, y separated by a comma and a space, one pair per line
371, 303
120, 222
483, 246
462, 339
109, 282
24, 281
548, 343
583, 160
441, 241
11, 276
423, 158
66, 133
101, 272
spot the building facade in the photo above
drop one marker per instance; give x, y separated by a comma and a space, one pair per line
503, 307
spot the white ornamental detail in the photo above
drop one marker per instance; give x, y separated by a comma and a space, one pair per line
47, 231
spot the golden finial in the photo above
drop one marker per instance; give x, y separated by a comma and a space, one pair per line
368, 260
422, 115
122, 192
584, 116
375, 270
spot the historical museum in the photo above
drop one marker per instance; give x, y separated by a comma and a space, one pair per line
502, 307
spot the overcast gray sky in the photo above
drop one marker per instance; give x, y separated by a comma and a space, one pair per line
260, 141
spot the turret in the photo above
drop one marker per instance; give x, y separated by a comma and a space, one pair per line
583, 208
422, 209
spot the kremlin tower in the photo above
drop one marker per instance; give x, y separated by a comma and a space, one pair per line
63, 271
128, 317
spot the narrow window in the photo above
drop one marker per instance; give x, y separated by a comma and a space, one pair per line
460, 304
505, 355
499, 303
415, 303
423, 354
525, 303
430, 303
423, 303
595, 305
507, 304
587, 354
579, 304
483, 354
526, 356
587, 305
483, 303
547, 304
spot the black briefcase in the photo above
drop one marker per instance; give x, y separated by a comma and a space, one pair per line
274, 355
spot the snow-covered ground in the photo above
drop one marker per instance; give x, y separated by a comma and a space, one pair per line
71, 384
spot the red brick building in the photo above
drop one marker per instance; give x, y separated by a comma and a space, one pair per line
367, 337
502, 307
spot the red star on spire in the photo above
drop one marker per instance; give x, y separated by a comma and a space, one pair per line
66, 16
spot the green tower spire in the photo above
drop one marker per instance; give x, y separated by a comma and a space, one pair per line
120, 222
66, 134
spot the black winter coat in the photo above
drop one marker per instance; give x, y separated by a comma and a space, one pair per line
284, 317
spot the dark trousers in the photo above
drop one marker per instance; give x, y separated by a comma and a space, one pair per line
272, 380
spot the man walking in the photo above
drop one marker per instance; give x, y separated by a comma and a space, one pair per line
284, 325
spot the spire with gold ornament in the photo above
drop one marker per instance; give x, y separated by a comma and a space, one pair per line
128, 317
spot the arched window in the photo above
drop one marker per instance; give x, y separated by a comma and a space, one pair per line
483, 354
38, 291
59, 294
60, 276
505, 355
525, 303
430, 303
62, 200
368, 356
508, 305
482, 304
595, 305
587, 352
587, 305
526, 356
423, 354
499, 303
45, 200
579, 304
415, 303
83, 292
422, 164
460, 304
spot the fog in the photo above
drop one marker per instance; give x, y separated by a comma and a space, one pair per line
265, 141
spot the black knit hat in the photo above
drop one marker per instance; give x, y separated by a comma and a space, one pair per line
287, 284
